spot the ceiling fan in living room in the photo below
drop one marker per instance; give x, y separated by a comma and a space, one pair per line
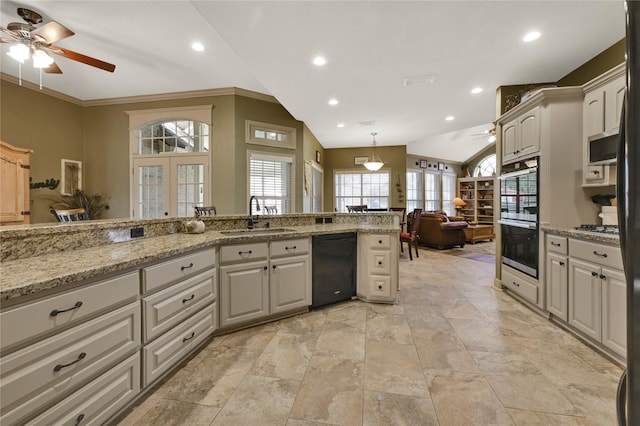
490, 134
36, 43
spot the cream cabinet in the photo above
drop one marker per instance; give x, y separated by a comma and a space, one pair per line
521, 284
290, 276
597, 293
14, 184
557, 276
377, 276
602, 109
521, 136
179, 307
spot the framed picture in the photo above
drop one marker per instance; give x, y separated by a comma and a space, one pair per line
423, 164
358, 161
317, 156
440, 166
70, 176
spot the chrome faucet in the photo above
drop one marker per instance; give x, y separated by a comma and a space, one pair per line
252, 221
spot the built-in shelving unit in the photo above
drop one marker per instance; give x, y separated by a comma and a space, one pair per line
478, 193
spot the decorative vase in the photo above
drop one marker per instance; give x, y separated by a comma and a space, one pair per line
195, 226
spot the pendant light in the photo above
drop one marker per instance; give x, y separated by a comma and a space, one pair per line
374, 163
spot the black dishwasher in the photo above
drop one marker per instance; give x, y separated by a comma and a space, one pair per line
333, 268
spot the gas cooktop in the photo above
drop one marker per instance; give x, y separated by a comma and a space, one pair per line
602, 229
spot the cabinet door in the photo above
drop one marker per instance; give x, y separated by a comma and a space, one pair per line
14, 178
529, 133
509, 139
290, 283
585, 298
614, 312
244, 292
593, 112
557, 280
613, 97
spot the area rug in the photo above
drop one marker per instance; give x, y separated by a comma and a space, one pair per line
481, 251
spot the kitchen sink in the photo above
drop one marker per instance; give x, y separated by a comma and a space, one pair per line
255, 231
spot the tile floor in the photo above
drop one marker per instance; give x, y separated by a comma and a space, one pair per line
454, 351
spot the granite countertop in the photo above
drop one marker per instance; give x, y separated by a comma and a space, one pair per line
597, 237
52, 271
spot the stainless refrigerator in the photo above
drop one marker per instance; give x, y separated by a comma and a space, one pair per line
628, 194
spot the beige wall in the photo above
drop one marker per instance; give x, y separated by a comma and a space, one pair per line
53, 128
394, 158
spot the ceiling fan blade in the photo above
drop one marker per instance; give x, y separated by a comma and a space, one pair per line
7, 40
12, 33
75, 56
52, 32
53, 68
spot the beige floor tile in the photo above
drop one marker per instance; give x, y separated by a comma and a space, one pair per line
381, 408
174, 413
388, 328
259, 401
341, 341
394, 368
332, 392
480, 335
596, 403
441, 349
286, 356
465, 399
537, 418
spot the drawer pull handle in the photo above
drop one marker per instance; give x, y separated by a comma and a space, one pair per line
379, 262
516, 284
600, 254
594, 274
336, 292
265, 268
55, 312
240, 253
561, 263
290, 248
379, 287
274, 266
61, 366
184, 339
182, 268
595, 172
379, 241
603, 277
79, 419
189, 298
555, 244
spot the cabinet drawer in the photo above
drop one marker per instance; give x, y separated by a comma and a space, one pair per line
289, 247
31, 320
172, 346
379, 287
244, 252
35, 375
556, 244
96, 402
518, 285
380, 241
380, 262
166, 308
601, 254
157, 276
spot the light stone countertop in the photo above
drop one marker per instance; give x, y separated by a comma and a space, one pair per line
36, 274
596, 237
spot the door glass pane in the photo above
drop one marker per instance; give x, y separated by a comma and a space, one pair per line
150, 191
190, 188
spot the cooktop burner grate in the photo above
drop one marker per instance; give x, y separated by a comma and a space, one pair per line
603, 229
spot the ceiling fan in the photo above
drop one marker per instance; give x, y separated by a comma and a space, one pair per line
37, 41
490, 134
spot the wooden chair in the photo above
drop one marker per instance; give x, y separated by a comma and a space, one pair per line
70, 215
412, 236
358, 209
271, 209
402, 210
206, 211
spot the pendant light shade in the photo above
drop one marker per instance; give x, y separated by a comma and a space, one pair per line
374, 163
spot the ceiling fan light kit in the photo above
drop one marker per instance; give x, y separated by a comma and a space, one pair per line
374, 163
37, 43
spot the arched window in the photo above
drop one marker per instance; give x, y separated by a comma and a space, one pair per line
486, 167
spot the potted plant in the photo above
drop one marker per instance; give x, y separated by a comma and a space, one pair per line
94, 204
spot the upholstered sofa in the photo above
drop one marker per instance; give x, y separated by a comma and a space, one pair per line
441, 231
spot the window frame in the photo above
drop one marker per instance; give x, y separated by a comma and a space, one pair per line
251, 126
266, 156
360, 171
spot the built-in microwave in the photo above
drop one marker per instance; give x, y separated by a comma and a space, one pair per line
603, 147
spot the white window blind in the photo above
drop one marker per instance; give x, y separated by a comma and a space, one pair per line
414, 191
316, 190
431, 191
448, 193
354, 188
270, 179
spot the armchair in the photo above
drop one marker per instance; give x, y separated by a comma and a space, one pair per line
441, 231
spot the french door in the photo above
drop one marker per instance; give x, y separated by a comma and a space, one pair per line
169, 186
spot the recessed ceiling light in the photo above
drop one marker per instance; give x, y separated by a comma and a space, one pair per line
198, 47
341, 125
450, 118
533, 35
476, 90
333, 102
319, 60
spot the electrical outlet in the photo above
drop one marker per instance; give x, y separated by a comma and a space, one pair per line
318, 220
137, 232
328, 220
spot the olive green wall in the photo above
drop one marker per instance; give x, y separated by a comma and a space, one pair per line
311, 145
272, 113
51, 127
604, 61
394, 158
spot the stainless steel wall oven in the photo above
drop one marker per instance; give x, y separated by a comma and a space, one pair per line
519, 215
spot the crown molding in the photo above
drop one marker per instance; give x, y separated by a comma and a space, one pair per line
226, 91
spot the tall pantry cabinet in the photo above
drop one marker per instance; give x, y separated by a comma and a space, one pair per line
14, 184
